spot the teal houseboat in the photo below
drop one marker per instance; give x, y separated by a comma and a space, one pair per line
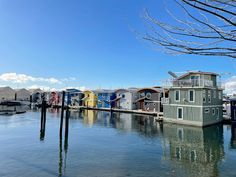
195, 98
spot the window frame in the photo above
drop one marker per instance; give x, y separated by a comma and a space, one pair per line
178, 108
178, 94
194, 93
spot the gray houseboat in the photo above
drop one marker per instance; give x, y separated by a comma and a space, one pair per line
149, 99
195, 98
125, 98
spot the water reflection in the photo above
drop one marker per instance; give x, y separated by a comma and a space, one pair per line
187, 151
233, 137
195, 151
89, 117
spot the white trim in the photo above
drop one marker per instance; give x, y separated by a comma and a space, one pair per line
150, 101
189, 122
178, 94
197, 106
181, 112
193, 95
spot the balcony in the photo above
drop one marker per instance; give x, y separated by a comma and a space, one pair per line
192, 83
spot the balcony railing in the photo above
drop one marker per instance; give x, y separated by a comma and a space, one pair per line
192, 83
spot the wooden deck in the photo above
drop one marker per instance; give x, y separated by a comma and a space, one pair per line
155, 114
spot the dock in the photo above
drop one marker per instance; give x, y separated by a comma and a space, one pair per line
158, 115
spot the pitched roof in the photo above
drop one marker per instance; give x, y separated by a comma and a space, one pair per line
197, 72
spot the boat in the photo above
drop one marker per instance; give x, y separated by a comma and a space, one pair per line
7, 112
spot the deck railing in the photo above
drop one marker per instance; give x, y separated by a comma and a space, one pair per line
192, 83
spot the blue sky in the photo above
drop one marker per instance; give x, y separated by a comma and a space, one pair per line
88, 43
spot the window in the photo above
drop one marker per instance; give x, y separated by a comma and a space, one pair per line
206, 110
209, 96
213, 111
204, 96
177, 95
193, 155
178, 153
214, 93
180, 113
191, 95
220, 95
217, 113
148, 95
195, 80
180, 132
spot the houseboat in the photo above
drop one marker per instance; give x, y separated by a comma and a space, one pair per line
90, 99
74, 97
149, 99
125, 98
54, 98
195, 98
106, 98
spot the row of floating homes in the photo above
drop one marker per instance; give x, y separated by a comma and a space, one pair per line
145, 99
194, 98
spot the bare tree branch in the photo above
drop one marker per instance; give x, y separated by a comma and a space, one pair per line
209, 30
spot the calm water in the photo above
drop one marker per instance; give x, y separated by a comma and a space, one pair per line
101, 145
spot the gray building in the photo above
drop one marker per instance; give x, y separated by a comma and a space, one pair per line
195, 98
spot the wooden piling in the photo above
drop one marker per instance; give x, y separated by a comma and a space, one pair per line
44, 115
15, 96
67, 123
62, 113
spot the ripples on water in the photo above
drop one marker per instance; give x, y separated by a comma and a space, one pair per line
117, 145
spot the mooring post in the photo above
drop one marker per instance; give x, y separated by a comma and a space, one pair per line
44, 114
15, 96
42, 117
67, 123
42, 125
62, 113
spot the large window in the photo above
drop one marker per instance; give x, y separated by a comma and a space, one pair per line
191, 95
180, 113
177, 95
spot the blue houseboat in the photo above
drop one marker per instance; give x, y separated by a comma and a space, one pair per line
74, 97
106, 98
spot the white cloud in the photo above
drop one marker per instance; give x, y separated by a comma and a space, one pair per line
23, 78
82, 88
230, 85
